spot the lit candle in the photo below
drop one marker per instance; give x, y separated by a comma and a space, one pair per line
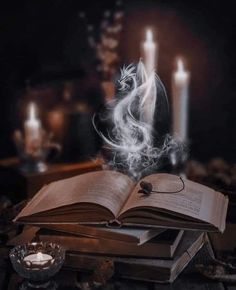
150, 49
33, 134
149, 97
39, 259
180, 86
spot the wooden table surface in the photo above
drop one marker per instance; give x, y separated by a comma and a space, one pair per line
69, 280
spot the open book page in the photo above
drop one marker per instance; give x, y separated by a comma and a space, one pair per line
195, 200
109, 189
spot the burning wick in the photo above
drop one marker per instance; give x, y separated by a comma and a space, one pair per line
147, 188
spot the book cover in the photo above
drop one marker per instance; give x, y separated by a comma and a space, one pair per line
156, 270
161, 246
138, 235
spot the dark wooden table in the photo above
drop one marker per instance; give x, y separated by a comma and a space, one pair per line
190, 279
69, 280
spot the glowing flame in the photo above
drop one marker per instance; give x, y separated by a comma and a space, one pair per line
132, 116
32, 111
149, 35
180, 65
39, 256
181, 75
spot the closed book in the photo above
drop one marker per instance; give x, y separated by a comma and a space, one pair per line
138, 235
162, 246
156, 270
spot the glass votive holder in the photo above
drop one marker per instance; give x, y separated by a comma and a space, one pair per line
37, 262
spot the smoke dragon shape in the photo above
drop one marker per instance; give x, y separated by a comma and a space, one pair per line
132, 118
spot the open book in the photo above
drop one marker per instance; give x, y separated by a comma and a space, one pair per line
112, 198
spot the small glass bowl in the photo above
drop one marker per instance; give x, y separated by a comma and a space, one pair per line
38, 273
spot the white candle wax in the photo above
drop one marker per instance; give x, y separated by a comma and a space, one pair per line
38, 259
180, 85
32, 130
150, 52
149, 48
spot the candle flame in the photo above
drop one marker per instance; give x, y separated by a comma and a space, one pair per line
149, 35
32, 111
180, 65
39, 256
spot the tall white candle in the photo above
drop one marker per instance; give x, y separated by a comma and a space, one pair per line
150, 50
33, 134
180, 96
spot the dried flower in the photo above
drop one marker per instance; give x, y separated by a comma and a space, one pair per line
106, 44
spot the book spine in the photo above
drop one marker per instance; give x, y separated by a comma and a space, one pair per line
114, 224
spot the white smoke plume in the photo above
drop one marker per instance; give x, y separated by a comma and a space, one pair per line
132, 117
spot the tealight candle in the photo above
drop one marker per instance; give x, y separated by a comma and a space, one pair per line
33, 134
149, 47
38, 259
37, 263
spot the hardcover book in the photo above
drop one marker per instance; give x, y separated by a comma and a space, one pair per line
114, 199
138, 268
162, 246
146, 269
137, 235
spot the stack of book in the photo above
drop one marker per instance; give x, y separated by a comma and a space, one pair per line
150, 230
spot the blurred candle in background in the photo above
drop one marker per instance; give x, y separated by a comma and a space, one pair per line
33, 133
180, 96
150, 50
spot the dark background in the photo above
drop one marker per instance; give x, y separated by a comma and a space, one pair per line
44, 36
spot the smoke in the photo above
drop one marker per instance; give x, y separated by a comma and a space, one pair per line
131, 115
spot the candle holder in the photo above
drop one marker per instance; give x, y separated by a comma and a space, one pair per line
37, 262
34, 159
